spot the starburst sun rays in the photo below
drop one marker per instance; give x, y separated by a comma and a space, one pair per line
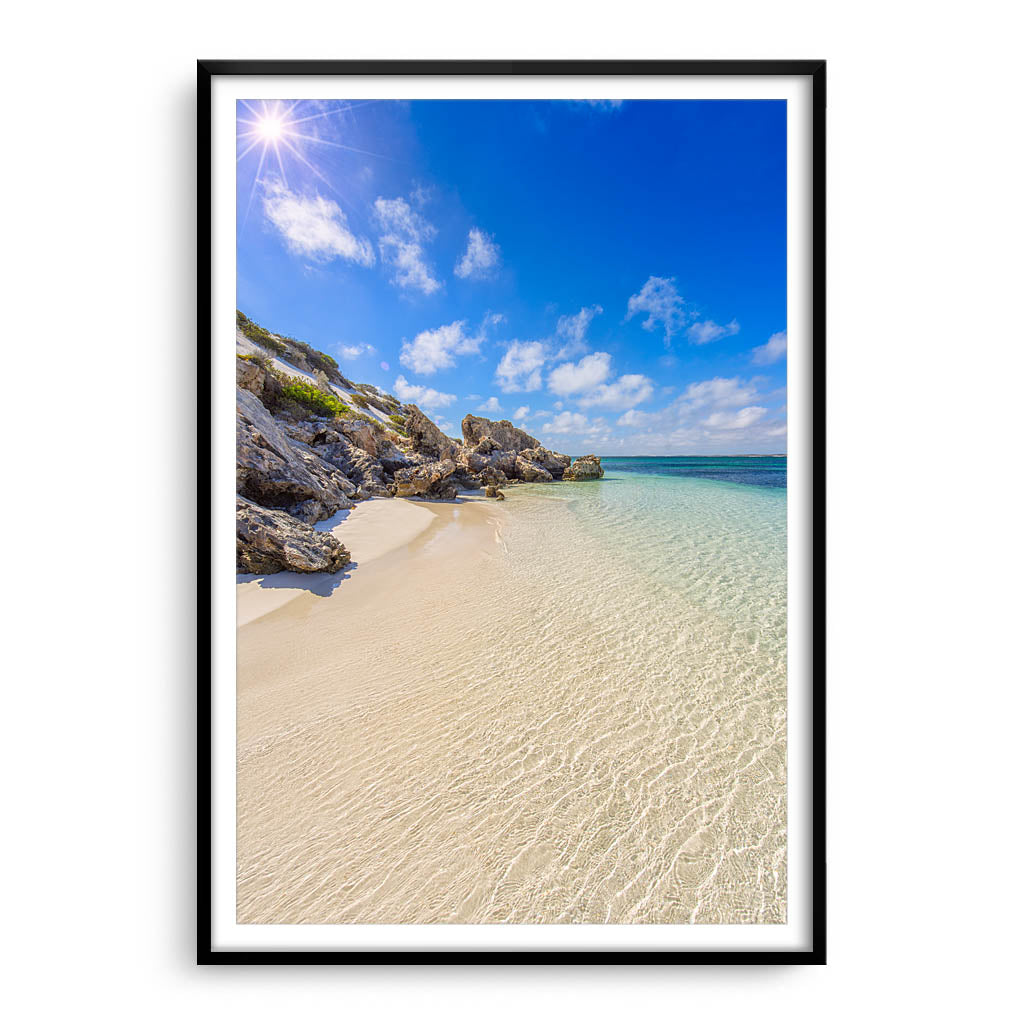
281, 137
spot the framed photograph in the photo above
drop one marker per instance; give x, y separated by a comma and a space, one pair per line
512, 609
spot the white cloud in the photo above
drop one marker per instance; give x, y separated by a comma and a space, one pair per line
708, 330
313, 226
718, 415
587, 374
355, 351
519, 369
633, 418
573, 331
570, 423
435, 350
720, 392
629, 390
428, 398
404, 232
602, 104
662, 303
771, 351
736, 420
481, 257
521, 413
491, 405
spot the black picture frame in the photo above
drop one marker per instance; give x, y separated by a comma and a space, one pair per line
206, 70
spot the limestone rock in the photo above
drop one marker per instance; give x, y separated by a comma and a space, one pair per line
492, 491
392, 458
364, 470
276, 472
531, 472
554, 463
507, 436
586, 467
250, 375
425, 436
360, 433
432, 480
269, 542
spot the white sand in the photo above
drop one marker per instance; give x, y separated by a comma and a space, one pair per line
372, 529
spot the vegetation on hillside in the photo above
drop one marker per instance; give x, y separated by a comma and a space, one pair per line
310, 397
259, 335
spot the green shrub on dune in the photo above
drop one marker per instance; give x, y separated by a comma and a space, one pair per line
309, 396
259, 335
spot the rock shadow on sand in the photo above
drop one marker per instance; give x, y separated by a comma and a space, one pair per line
319, 584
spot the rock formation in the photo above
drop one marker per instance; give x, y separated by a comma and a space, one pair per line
432, 480
586, 467
276, 472
425, 436
502, 432
268, 542
303, 455
554, 463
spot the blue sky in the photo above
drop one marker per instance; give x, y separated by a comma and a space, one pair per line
611, 276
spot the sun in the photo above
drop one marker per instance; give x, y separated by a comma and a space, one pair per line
269, 128
277, 133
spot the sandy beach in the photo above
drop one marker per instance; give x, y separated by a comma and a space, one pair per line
370, 530
468, 726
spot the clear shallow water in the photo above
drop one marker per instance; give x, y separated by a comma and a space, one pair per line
759, 471
581, 720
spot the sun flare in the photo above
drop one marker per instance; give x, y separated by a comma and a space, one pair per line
277, 133
269, 128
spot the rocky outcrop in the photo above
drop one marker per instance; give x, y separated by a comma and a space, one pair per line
531, 472
295, 467
554, 463
392, 458
356, 465
276, 472
432, 480
268, 541
586, 467
505, 435
250, 375
362, 434
425, 436
488, 461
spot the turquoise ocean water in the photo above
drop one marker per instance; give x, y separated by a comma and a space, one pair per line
660, 594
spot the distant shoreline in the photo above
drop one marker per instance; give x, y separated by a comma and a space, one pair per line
781, 455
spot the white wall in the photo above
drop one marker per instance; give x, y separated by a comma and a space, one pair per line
924, 393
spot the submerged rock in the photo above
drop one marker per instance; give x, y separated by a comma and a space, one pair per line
586, 467
491, 491
267, 541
